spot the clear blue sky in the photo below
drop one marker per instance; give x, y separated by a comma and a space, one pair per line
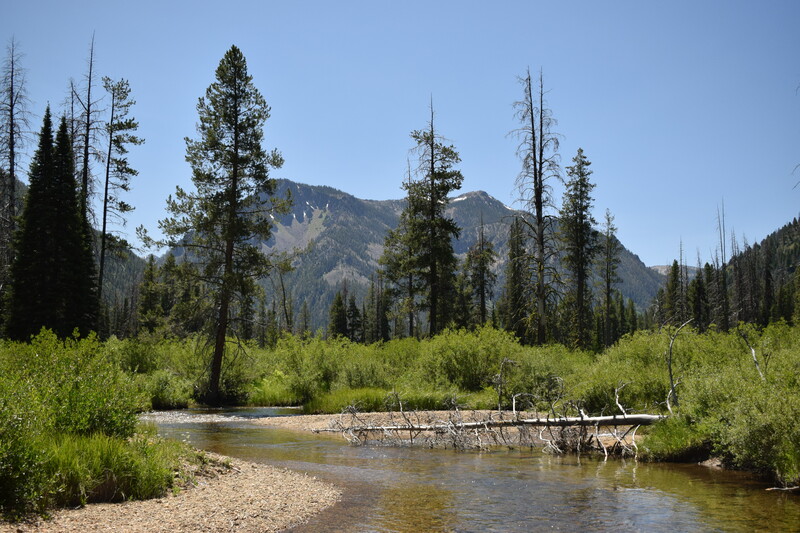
678, 105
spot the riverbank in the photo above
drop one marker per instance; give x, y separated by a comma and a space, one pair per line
226, 495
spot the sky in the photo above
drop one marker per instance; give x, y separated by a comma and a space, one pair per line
682, 106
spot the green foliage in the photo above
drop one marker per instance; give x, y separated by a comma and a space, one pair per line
53, 281
99, 468
465, 360
21, 453
579, 244
418, 255
337, 320
636, 365
68, 416
363, 399
480, 259
273, 390
513, 305
230, 209
675, 439
544, 375
167, 390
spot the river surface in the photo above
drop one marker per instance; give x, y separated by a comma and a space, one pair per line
412, 489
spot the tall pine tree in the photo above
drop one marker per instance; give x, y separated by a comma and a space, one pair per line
579, 242
514, 303
233, 202
428, 196
53, 276
480, 259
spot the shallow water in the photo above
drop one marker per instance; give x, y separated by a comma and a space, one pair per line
412, 489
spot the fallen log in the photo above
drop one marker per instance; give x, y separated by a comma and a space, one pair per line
567, 421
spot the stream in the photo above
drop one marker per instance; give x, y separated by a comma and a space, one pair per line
412, 489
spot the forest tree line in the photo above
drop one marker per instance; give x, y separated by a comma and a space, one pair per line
561, 280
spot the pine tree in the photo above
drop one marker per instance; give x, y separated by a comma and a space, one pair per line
337, 317
14, 124
120, 131
631, 319
796, 314
610, 251
673, 308
698, 301
233, 201
304, 324
514, 308
463, 306
480, 259
151, 296
399, 266
376, 323
579, 244
428, 198
53, 277
354, 322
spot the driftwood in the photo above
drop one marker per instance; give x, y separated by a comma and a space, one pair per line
482, 431
556, 432
567, 421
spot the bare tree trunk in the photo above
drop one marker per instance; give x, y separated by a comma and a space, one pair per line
226, 292
87, 134
668, 357
15, 122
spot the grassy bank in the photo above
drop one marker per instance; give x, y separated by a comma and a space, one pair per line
69, 433
726, 405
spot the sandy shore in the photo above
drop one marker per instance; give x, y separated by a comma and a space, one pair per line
324, 422
244, 497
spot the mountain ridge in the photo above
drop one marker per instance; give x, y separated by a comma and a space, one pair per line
342, 240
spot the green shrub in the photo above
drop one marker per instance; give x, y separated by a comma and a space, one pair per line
168, 390
363, 399
675, 439
68, 416
139, 355
98, 468
21, 476
467, 360
635, 366
273, 390
542, 375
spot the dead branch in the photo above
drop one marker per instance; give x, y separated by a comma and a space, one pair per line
746, 340
563, 421
668, 357
616, 399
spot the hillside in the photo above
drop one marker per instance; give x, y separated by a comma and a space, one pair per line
343, 239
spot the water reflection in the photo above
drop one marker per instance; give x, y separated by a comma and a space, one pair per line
403, 489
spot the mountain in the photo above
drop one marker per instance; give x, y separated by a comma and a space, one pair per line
342, 238
691, 271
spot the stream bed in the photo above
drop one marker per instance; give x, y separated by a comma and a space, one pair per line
413, 489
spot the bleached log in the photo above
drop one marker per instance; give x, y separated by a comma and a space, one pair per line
569, 421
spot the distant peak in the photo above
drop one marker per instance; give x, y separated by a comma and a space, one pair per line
478, 195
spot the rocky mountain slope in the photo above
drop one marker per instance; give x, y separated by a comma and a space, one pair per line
342, 239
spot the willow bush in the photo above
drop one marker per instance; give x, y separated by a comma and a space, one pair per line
68, 419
